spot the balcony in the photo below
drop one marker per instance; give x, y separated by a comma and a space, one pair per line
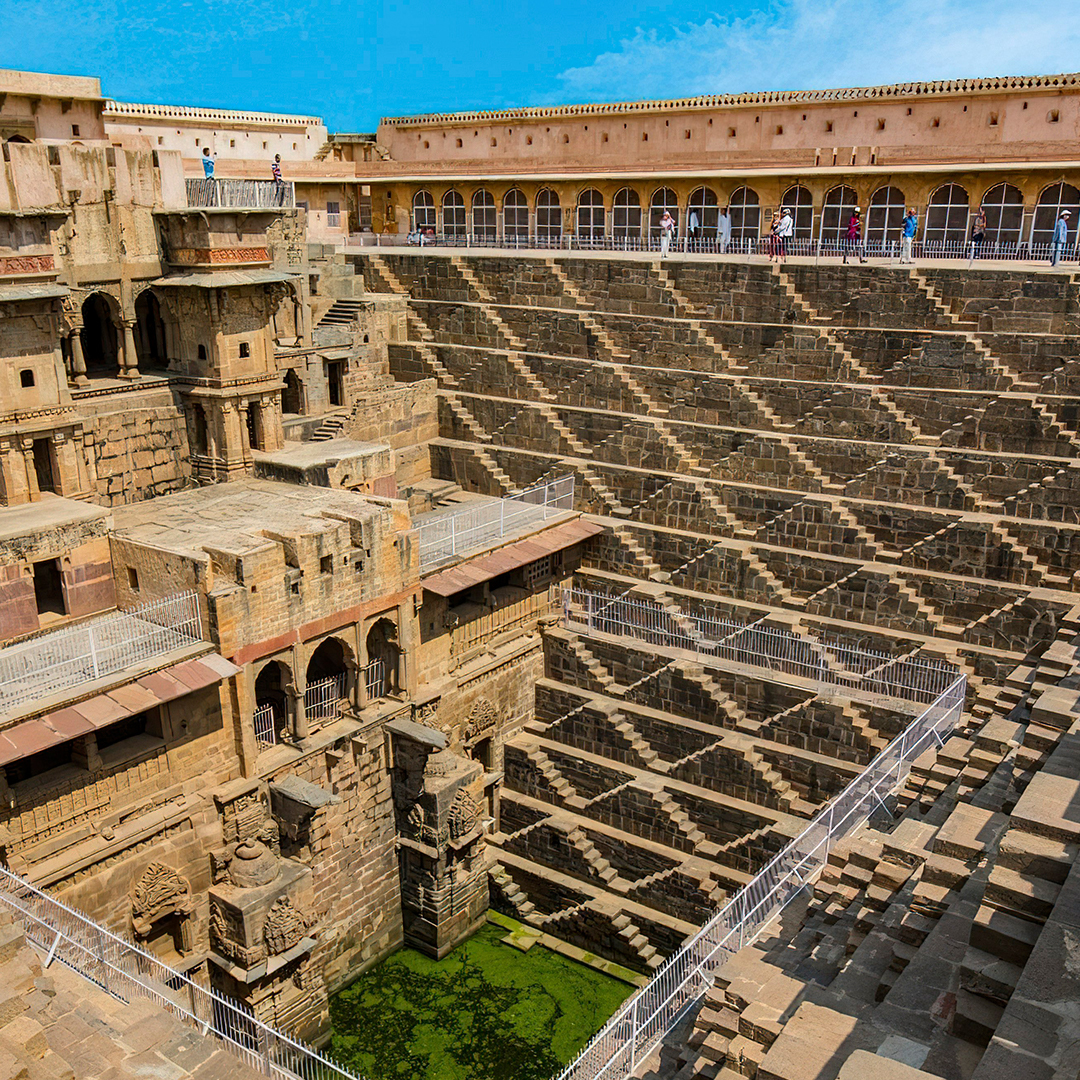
481, 523
98, 648
241, 194
475, 626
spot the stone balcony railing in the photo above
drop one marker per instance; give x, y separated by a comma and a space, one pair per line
241, 194
511, 609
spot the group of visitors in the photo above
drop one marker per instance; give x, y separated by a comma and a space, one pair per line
209, 163
694, 230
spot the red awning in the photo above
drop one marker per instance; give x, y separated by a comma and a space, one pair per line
485, 567
26, 738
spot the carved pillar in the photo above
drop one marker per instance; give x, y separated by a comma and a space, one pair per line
31, 472
300, 724
78, 360
270, 423
130, 369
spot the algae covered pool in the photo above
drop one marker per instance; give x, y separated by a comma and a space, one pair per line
486, 1011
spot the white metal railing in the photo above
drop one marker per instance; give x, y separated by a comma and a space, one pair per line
478, 523
829, 664
322, 698
102, 646
266, 723
636, 1029
243, 194
375, 679
129, 973
745, 246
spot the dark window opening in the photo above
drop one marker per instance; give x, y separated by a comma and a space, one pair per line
133, 578
828, 125
290, 395
199, 425
43, 466
253, 428
75, 130
144, 723
731, 133
779, 129
49, 588
36, 764
335, 382
26, 377
1054, 116
481, 752
202, 352
245, 350
99, 338
150, 331
326, 564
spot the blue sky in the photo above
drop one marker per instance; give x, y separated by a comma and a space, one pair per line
352, 62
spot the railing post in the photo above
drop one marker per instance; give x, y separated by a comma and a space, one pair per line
93, 651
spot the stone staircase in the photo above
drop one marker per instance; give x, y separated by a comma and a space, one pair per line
344, 313
331, 427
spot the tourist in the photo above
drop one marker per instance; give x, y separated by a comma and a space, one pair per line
978, 233
911, 224
774, 240
1060, 237
784, 232
692, 229
208, 163
724, 230
279, 183
854, 235
667, 228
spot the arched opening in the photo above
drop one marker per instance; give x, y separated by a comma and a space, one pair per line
626, 215
745, 207
381, 676
271, 705
17, 139
423, 211
590, 215
836, 213
326, 679
484, 216
548, 218
1052, 201
1004, 207
663, 199
453, 214
702, 218
100, 342
800, 202
515, 216
947, 218
885, 216
151, 331
291, 395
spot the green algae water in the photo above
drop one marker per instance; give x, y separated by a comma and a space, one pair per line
487, 1011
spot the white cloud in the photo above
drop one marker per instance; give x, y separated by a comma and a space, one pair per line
808, 44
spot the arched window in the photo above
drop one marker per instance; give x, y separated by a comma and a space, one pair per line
423, 211
548, 218
515, 216
885, 216
836, 213
327, 680
801, 204
745, 209
590, 215
1052, 201
704, 203
663, 199
150, 329
271, 704
947, 217
453, 214
384, 657
1004, 206
626, 214
483, 214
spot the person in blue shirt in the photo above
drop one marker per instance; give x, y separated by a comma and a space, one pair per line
1060, 237
208, 163
911, 223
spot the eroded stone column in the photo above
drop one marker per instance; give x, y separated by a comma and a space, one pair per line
130, 370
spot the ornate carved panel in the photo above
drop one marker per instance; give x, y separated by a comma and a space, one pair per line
286, 925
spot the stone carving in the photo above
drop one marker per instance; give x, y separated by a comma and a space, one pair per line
482, 715
252, 865
286, 925
161, 890
26, 264
203, 256
441, 763
463, 814
416, 817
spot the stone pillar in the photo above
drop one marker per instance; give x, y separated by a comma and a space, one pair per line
31, 472
300, 724
270, 429
78, 360
406, 647
130, 369
84, 753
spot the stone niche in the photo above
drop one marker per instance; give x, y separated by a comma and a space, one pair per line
162, 911
438, 797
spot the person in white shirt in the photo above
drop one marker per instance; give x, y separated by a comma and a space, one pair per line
667, 228
725, 230
785, 230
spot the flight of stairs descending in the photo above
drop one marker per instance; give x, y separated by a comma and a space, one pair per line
331, 427
343, 312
